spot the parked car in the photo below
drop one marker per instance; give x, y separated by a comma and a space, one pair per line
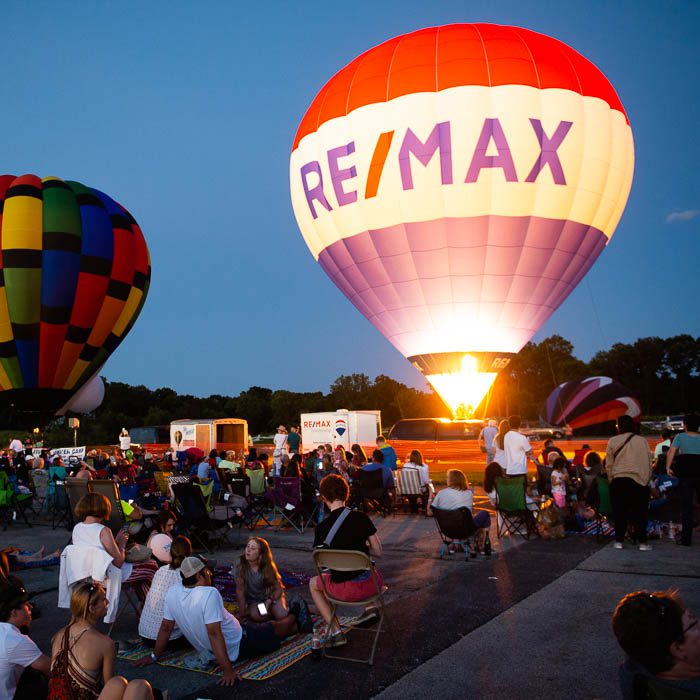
436, 438
675, 423
544, 432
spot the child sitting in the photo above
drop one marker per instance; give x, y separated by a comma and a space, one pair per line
259, 586
560, 478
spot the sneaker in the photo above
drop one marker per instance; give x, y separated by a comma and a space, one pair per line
645, 548
617, 545
368, 618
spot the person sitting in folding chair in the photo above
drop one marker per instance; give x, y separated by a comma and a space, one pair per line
348, 530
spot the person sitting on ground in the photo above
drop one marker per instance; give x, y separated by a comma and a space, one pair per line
359, 458
377, 464
356, 533
661, 638
82, 659
23, 667
459, 495
559, 478
197, 608
389, 452
92, 509
161, 539
258, 584
165, 578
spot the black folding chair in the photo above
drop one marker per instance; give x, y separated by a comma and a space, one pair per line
196, 519
455, 527
372, 493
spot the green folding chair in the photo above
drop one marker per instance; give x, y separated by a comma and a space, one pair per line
603, 509
515, 516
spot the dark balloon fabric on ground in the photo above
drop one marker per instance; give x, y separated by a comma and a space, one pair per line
74, 274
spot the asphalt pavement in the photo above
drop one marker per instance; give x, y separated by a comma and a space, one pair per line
533, 620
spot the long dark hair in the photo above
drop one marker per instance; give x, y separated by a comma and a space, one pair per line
492, 472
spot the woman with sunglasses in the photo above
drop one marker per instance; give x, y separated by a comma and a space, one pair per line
82, 659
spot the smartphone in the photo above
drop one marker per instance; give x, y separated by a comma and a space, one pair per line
262, 608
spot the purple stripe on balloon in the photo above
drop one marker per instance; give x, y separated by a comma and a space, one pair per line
514, 270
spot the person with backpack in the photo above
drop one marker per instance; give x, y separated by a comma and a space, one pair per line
628, 464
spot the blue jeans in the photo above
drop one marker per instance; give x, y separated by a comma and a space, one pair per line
482, 519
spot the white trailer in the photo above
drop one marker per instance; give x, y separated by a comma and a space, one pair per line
209, 434
340, 428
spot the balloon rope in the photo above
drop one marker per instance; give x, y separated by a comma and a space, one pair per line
595, 312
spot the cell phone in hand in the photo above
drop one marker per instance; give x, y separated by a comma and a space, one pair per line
262, 608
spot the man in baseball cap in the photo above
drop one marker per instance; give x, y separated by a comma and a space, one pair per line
197, 608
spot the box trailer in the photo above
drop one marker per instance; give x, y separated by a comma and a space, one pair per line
340, 428
209, 434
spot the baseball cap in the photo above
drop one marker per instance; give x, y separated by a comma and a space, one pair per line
191, 566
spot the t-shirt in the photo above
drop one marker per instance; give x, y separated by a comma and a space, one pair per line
660, 448
254, 583
488, 434
192, 609
558, 483
152, 613
687, 444
387, 474
227, 464
629, 669
516, 446
17, 652
422, 470
352, 535
451, 499
203, 470
294, 440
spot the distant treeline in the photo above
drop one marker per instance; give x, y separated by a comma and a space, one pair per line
663, 374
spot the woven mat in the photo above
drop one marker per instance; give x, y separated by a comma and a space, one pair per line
259, 668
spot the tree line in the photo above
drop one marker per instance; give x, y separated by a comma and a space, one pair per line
663, 374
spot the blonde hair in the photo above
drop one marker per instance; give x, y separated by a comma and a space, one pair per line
83, 595
456, 480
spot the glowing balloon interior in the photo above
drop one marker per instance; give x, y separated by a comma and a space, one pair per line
456, 183
74, 275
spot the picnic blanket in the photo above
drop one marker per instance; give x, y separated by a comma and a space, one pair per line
16, 565
260, 668
225, 583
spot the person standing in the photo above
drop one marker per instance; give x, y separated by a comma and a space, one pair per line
517, 449
686, 451
294, 440
124, 440
628, 464
280, 442
486, 437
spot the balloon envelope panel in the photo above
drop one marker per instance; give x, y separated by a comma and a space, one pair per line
74, 272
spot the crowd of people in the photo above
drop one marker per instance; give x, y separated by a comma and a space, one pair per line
182, 609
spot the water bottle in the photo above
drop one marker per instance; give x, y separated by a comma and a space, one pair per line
487, 545
316, 652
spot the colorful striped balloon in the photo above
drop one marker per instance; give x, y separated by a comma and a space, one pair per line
74, 274
590, 401
457, 182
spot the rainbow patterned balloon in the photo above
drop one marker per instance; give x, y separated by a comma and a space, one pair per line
456, 183
74, 275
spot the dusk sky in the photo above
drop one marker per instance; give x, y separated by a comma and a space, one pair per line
185, 113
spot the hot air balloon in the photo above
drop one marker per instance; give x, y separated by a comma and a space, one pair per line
587, 402
74, 274
456, 183
89, 397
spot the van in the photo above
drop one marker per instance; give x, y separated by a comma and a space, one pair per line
436, 438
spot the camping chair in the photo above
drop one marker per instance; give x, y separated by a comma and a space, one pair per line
372, 493
455, 527
196, 516
40, 478
544, 479
515, 516
109, 489
12, 502
75, 490
603, 509
257, 503
286, 502
348, 560
408, 486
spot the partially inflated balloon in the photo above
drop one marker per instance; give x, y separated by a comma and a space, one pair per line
591, 401
74, 275
89, 397
456, 183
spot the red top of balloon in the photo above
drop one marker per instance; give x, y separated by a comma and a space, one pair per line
437, 58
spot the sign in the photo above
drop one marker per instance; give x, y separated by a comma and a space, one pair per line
183, 436
66, 453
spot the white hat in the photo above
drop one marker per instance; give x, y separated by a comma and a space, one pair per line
193, 565
160, 546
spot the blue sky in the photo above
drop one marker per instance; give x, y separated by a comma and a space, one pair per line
185, 113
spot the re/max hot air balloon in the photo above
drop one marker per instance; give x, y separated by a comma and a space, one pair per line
591, 401
456, 183
74, 275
